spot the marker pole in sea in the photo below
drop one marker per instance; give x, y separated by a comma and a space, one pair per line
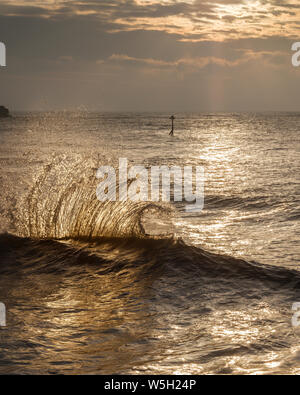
172, 131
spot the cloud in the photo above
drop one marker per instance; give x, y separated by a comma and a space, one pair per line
216, 20
149, 54
193, 64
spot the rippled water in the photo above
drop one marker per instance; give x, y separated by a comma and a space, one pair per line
88, 291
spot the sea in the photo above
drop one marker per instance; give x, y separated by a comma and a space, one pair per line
143, 287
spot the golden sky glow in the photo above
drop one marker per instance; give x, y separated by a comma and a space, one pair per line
215, 20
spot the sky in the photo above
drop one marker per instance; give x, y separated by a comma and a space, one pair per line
150, 55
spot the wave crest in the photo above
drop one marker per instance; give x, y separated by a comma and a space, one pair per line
63, 204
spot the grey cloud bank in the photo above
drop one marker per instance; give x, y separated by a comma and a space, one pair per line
90, 55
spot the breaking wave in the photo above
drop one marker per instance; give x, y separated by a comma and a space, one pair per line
62, 219
63, 204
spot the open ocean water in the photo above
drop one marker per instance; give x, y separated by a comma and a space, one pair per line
147, 288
